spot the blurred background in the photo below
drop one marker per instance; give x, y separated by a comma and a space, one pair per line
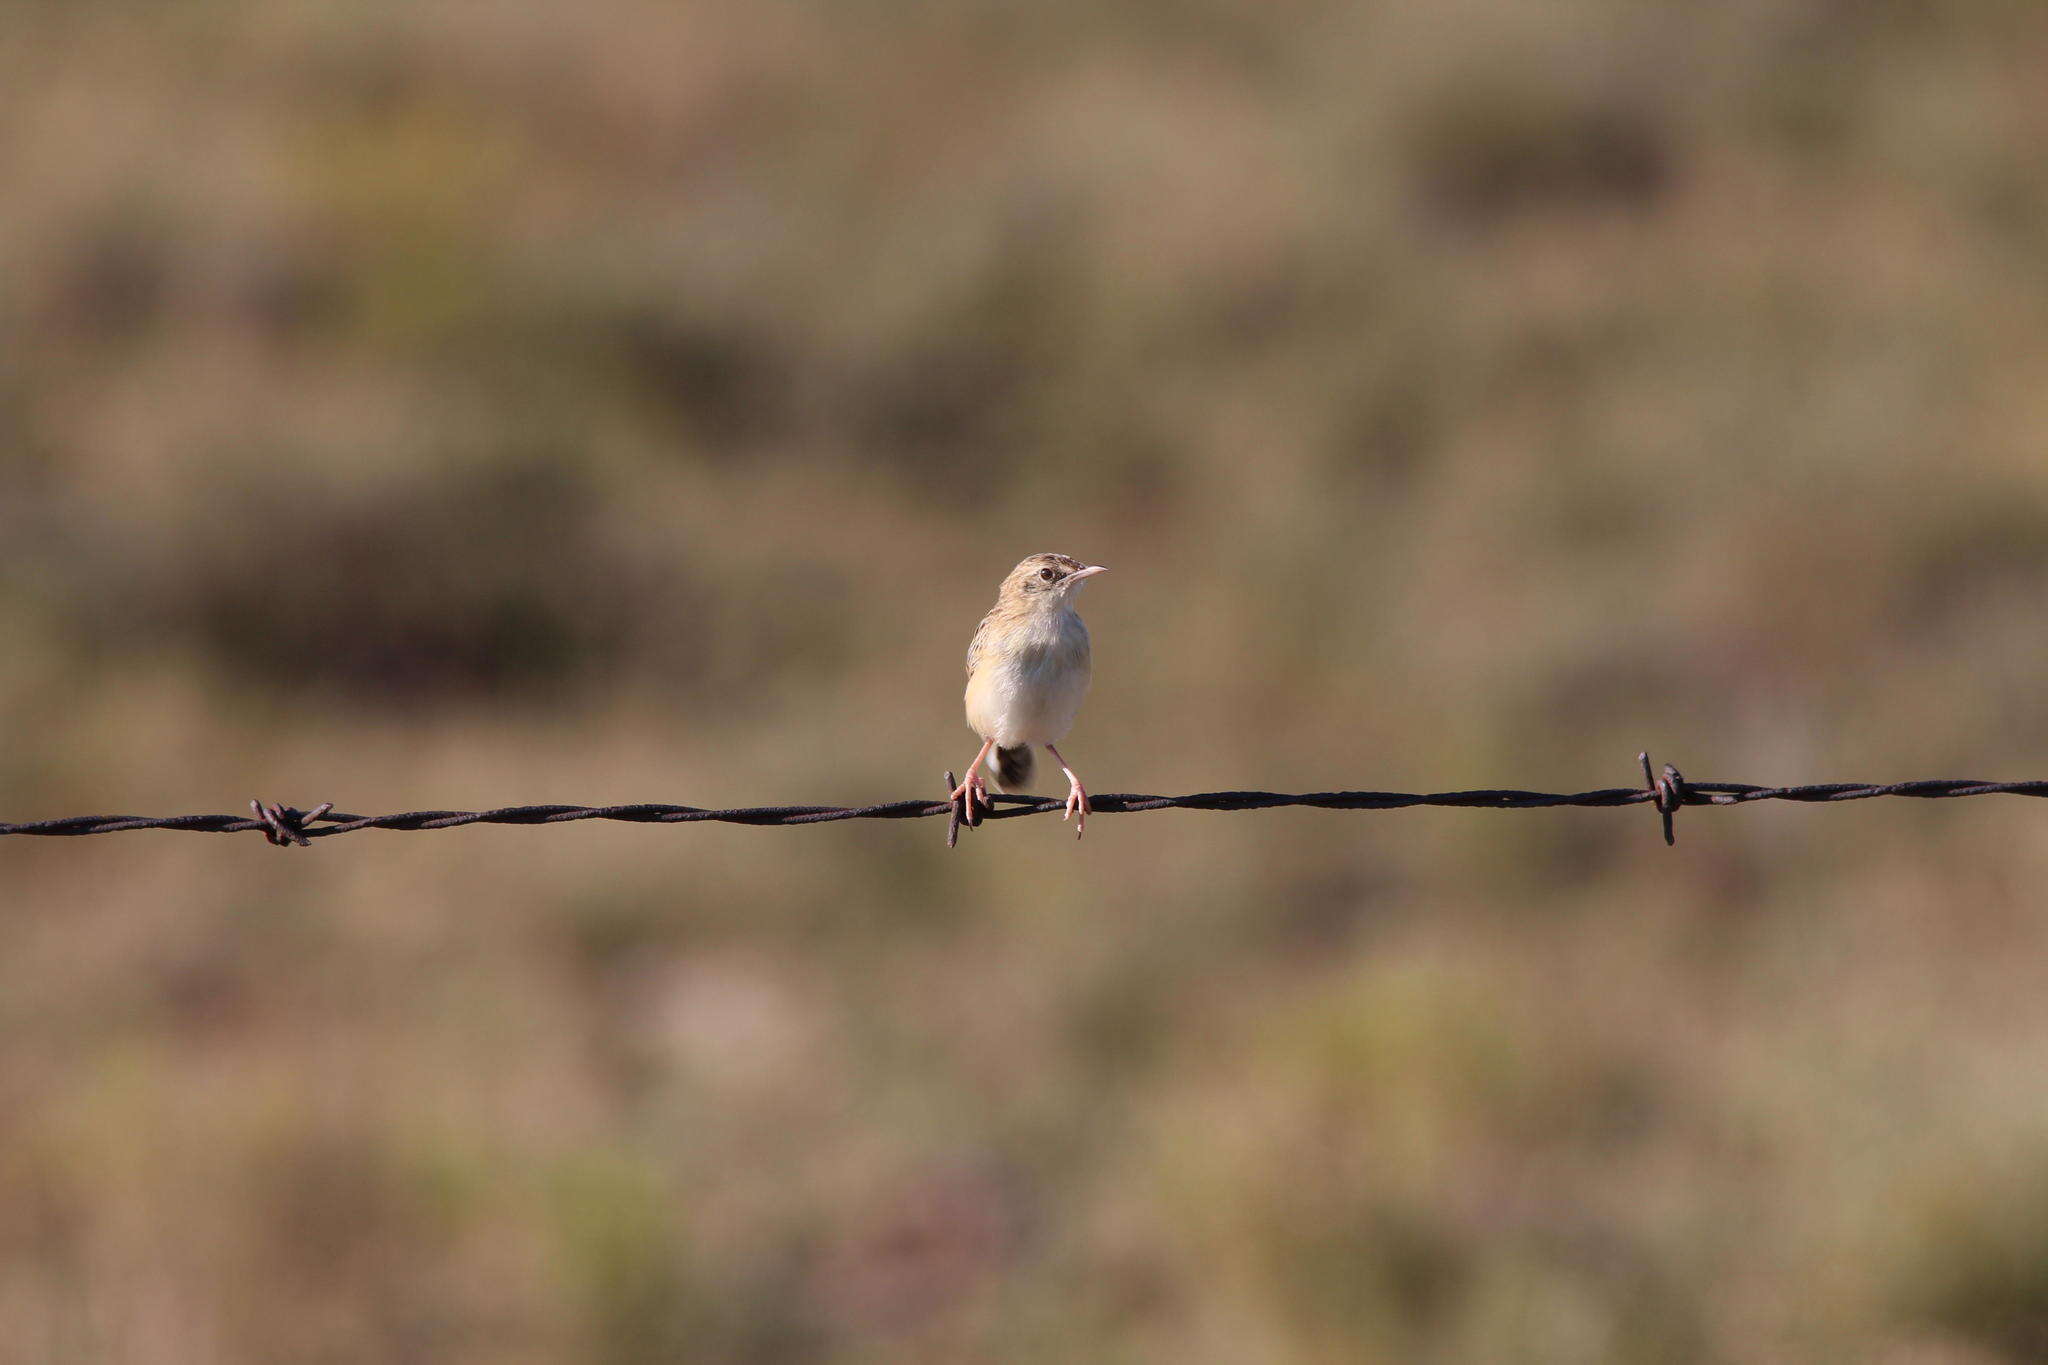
446, 405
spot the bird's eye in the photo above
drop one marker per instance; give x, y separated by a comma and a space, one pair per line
1048, 574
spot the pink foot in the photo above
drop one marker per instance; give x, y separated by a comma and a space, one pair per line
1077, 795
1077, 805
974, 786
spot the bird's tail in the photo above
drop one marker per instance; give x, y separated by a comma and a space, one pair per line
1012, 767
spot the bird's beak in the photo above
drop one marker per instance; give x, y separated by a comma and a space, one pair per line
1093, 569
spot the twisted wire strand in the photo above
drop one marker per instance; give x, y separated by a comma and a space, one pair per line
286, 825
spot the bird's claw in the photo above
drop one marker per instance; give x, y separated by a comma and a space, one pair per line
971, 788
1077, 807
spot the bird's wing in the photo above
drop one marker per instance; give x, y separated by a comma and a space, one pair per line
974, 646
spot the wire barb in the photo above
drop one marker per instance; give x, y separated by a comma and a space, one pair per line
1667, 792
952, 811
286, 825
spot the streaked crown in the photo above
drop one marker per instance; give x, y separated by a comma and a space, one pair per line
1045, 579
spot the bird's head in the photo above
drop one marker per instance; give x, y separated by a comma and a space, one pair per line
1047, 581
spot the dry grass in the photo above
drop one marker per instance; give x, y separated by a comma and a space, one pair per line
417, 406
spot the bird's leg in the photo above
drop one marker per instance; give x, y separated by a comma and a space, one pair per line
1077, 795
974, 784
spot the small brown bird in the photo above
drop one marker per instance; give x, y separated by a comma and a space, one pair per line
1027, 671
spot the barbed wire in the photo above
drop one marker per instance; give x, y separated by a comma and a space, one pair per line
1666, 792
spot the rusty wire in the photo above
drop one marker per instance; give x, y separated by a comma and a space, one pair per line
1665, 792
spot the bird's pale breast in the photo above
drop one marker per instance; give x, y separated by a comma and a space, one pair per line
1029, 679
